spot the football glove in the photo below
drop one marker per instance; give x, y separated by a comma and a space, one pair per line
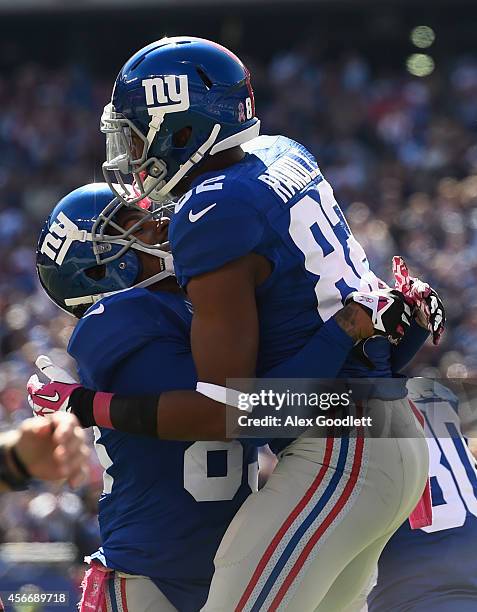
390, 313
46, 398
429, 309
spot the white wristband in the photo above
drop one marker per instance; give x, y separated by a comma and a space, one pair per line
230, 397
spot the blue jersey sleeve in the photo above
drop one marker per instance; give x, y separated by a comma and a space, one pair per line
211, 229
406, 350
322, 356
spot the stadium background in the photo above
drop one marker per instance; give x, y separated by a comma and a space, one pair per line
391, 116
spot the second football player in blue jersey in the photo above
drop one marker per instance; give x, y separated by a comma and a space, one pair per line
165, 505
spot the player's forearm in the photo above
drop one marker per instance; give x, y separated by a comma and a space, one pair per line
354, 321
188, 415
172, 415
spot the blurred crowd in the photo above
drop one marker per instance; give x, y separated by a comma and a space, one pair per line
400, 152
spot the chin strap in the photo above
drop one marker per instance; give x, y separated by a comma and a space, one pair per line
161, 190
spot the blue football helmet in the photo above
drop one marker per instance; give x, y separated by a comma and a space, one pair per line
171, 84
79, 263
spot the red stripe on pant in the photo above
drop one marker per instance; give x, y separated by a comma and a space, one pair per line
123, 595
283, 529
348, 490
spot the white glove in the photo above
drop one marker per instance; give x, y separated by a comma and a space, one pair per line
52, 371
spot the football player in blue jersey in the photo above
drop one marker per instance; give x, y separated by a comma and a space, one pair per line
165, 505
435, 568
267, 259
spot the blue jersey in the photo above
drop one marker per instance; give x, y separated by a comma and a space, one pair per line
275, 202
165, 505
435, 568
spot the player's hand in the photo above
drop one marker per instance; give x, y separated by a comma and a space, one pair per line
53, 448
47, 398
429, 309
389, 312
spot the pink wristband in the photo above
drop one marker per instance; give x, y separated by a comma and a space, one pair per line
101, 409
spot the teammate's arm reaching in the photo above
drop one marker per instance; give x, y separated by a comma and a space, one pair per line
225, 344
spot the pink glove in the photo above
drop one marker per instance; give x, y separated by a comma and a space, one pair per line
46, 398
429, 308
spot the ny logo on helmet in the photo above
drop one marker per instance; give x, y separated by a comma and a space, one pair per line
57, 242
167, 94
